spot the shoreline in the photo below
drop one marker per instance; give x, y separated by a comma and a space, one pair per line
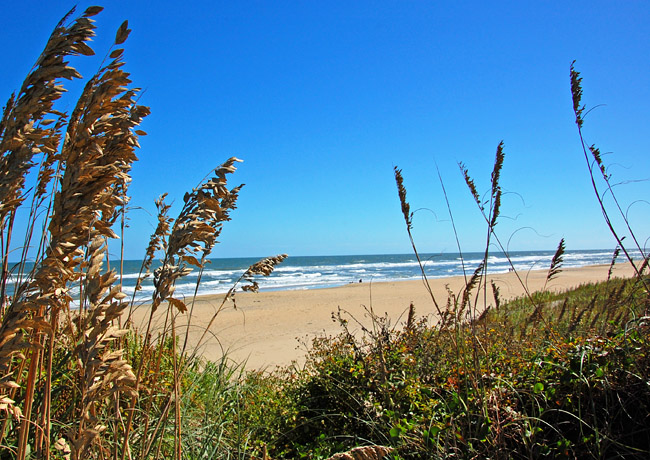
273, 328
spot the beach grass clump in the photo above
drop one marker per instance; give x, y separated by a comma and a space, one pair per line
84, 161
77, 378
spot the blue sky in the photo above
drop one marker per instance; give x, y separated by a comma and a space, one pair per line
322, 99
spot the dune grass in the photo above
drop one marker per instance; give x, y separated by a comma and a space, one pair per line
75, 380
549, 375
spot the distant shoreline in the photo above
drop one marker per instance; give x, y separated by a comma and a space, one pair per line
315, 272
266, 327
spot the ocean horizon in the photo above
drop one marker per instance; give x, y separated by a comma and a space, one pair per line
314, 272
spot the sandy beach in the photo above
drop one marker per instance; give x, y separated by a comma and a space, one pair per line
269, 329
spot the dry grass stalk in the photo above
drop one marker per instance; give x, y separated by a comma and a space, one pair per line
102, 370
408, 219
496, 188
191, 239
556, 263
263, 267
156, 243
470, 184
410, 319
496, 292
157, 239
490, 216
617, 251
364, 453
195, 232
474, 280
576, 93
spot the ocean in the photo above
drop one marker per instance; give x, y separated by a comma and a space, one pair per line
313, 272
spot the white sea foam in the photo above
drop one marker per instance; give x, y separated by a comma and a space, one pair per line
317, 272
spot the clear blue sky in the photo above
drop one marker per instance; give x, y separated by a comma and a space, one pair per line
322, 99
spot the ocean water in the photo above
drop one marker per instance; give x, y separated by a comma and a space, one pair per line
328, 271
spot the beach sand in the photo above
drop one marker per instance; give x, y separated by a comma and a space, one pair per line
269, 329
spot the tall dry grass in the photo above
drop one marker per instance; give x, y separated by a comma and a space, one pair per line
76, 380
88, 178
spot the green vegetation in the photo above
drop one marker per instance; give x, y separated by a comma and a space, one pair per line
506, 386
545, 376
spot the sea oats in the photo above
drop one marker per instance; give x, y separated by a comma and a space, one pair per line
93, 164
195, 230
262, 267
408, 219
496, 188
576, 94
556, 262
